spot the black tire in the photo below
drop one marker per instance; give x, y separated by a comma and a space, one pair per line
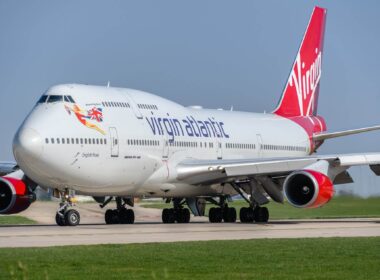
168, 216
261, 215
60, 220
226, 217
165, 216
115, 217
211, 215
229, 215
108, 217
130, 216
218, 215
243, 215
246, 215
185, 215
72, 218
126, 216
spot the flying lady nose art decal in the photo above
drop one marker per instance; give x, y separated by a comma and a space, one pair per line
87, 117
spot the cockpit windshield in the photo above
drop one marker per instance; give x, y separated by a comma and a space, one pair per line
42, 99
55, 98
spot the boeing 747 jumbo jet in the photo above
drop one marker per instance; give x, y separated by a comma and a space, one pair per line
116, 144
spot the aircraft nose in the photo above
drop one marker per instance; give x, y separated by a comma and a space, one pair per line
27, 145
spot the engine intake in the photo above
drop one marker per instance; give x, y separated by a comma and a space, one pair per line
308, 189
14, 197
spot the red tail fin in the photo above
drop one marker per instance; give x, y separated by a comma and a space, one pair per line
300, 96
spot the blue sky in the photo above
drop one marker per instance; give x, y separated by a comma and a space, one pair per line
211, 53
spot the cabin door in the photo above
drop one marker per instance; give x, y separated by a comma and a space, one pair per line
114, 139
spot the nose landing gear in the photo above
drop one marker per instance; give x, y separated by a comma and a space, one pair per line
66, 216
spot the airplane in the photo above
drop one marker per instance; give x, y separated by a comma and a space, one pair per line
117, 144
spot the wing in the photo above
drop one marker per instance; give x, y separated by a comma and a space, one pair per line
202, 172
328, 135
7, 167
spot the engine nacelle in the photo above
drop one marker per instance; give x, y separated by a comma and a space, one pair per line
14, 197
308, 189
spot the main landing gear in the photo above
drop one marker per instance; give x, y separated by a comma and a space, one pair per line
66, 216
254, 214
120, 215
177, 214
222, 213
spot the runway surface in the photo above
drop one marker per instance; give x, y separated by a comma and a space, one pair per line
148, 228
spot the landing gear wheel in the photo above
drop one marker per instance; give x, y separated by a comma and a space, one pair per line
126, 216
261, 215
112, 217
108, 217
229, 215
215, 215
183, 216
168, 216
60, 220
72, 217
246, 215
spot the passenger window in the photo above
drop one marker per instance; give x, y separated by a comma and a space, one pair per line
81, 141
58, 141
46, 141
52, 140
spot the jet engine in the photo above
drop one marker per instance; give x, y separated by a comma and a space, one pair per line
14, 196
308, 189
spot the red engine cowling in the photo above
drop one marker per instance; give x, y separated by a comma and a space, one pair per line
308, 189
14, 196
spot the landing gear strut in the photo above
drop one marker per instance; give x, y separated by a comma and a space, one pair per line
177, 214
66, 216
222, 213
120, 215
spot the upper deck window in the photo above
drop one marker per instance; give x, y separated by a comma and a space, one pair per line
55, 98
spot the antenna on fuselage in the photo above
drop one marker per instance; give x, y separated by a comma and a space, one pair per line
232, 108
108, 84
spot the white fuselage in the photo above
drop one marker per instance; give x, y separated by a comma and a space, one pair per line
130, 144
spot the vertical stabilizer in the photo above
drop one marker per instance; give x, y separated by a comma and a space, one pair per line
300, 96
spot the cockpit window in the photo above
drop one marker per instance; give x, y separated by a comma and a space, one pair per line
71, 99
68, 98
42, 99
55, 98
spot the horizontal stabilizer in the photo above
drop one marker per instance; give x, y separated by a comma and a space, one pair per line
328, 135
